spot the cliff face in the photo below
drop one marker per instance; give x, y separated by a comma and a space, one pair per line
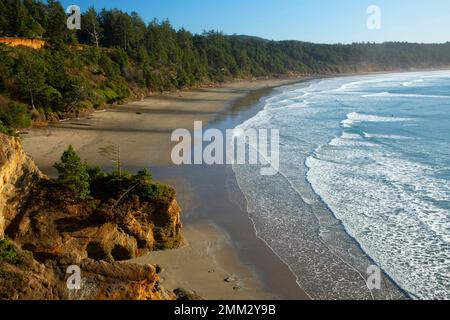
30, 43
18, 174
32, 280
51, 233
54, 228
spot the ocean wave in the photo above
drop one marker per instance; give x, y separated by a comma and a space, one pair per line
394, 204
355, 117
384, 136
349, 87
385, 204
410, 83
286, 99
402, 95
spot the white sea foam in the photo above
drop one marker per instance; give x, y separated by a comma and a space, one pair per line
384, 136
411, 83
384, 203
393, 205
355, 117
356, 84
402, 95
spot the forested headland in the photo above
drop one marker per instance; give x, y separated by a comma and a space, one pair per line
116, 56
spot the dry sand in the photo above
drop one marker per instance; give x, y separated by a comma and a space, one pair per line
143, 130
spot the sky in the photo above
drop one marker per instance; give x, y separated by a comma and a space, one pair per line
319, 21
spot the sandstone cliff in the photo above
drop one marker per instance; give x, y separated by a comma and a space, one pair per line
18, 174
30, 43
50, 233
32, 280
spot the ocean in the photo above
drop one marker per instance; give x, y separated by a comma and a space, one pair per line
364, 180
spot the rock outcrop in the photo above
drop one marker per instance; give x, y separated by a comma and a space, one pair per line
53, 228
52, 232
31, 280
18, 175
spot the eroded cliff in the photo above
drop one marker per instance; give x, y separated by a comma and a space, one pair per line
50, 232
18, 175
30, 43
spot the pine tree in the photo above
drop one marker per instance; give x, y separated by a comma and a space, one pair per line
73, 174
56, 26
30, 78
4, 22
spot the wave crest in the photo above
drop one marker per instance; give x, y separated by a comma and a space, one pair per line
355, 117
402, 95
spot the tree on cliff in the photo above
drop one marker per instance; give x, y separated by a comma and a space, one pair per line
73, 174
56, 27
30, 78
91, 26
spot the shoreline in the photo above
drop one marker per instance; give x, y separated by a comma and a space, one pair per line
87, 113
148, 123
222, 238
403, 294
272, 272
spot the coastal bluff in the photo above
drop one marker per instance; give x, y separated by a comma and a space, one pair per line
30, 43
47, 232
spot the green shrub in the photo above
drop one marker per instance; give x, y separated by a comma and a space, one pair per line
97, 98
144, 175
52, 97
141, 184
110, 95
95, 173
115, 90
73, 174
157, 192
5, 130
8, 253
15, 116
110, 69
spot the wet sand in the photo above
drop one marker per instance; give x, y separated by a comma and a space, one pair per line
221, 240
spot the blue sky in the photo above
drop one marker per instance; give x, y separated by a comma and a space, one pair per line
320, 21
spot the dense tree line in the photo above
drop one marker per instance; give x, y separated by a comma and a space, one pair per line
33, 19
117, 55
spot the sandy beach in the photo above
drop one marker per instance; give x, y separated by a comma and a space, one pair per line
220, 239
141, 128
